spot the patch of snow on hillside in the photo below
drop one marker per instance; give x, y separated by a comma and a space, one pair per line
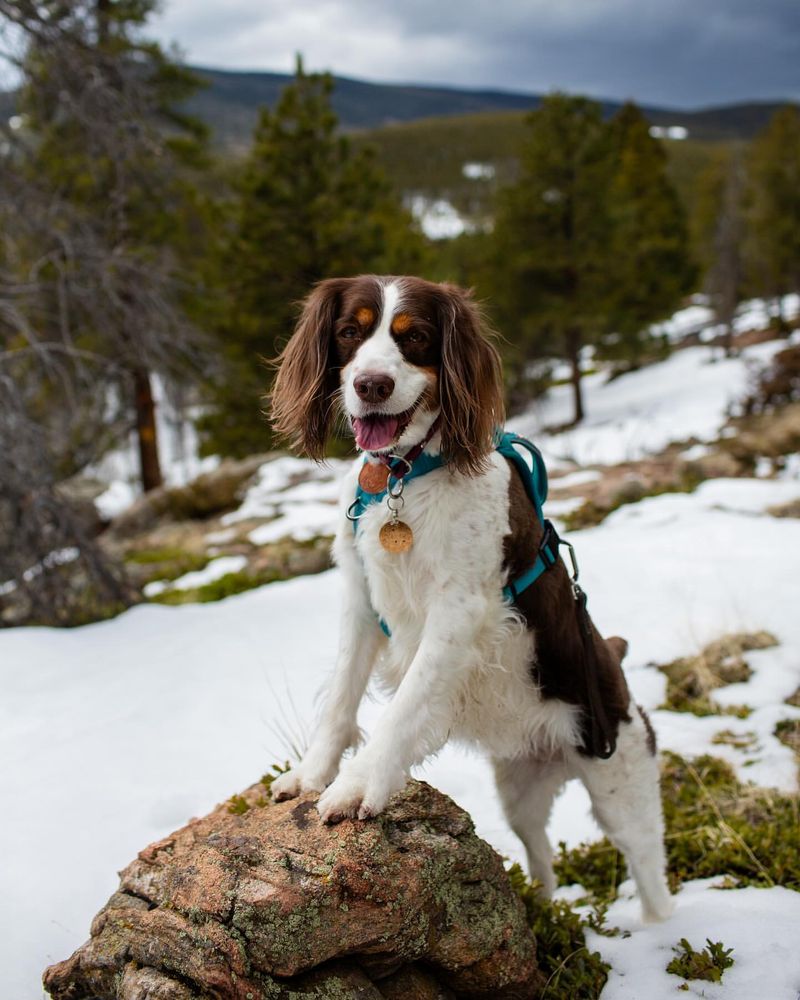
298, 495
438, 218
637, 414
478, 171
215, 570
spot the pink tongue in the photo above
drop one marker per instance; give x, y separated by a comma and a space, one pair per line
374, 433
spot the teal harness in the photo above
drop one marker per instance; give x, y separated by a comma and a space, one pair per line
534, 479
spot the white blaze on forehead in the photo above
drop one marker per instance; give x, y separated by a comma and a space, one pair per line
379, 352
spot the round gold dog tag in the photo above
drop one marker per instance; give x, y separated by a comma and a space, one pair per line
396, 536
373, 477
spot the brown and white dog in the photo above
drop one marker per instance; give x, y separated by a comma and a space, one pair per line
398, 354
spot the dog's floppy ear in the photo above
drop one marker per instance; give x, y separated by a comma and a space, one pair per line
302, 400
471, 383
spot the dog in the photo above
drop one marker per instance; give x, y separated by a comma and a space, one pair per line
411, 365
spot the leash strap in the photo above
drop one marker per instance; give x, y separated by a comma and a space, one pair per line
602, 741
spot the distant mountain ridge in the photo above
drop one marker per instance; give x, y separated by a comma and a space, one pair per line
230, 102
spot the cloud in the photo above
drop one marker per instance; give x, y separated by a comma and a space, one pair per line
671, 52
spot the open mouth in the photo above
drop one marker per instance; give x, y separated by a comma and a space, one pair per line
377, 431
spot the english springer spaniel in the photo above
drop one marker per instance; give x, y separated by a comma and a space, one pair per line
436, 525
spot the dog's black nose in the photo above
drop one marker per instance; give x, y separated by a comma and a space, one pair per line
373, 387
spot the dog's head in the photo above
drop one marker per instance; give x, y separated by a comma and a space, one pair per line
393, 353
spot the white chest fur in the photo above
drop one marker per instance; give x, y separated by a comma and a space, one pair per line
455, 562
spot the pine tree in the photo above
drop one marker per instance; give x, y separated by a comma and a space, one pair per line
108, 145
309, 207
649, 268
774, 206
551, 237
720, 234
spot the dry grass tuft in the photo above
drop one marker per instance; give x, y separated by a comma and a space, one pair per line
692, 679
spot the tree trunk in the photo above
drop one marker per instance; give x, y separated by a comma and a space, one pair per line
574, 357
146, 430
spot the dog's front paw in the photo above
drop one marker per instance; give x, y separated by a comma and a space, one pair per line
304, 777
287, 786
359, 792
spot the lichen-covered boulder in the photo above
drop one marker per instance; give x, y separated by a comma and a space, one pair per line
262, 901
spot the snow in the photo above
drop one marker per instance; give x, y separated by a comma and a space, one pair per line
475, 171
579, 478
669, 131
759, 924
298, 495
115, 733
214, 570
688, 396
115, 499
438, 218
698, 318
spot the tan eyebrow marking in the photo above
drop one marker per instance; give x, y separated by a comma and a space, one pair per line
401, 323
365, 316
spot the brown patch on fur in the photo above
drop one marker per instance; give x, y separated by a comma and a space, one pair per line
401, 322
651, 733
365, 316
548, 608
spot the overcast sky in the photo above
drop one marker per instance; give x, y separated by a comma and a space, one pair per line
683, 53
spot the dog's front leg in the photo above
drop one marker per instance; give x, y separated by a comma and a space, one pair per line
359, 639
417, 720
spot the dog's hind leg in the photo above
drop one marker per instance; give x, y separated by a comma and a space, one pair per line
527, 788
626, 802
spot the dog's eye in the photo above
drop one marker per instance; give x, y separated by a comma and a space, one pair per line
348, 333
413, 337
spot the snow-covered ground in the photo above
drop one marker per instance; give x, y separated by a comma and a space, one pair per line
115, 733
638, 414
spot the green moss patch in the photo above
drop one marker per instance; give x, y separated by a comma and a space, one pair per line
599, 867
708, 964
570, 969
165, 563
217, 590
718, 826
692, 679
715, 826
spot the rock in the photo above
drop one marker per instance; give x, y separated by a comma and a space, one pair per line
262, 901
211, 493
